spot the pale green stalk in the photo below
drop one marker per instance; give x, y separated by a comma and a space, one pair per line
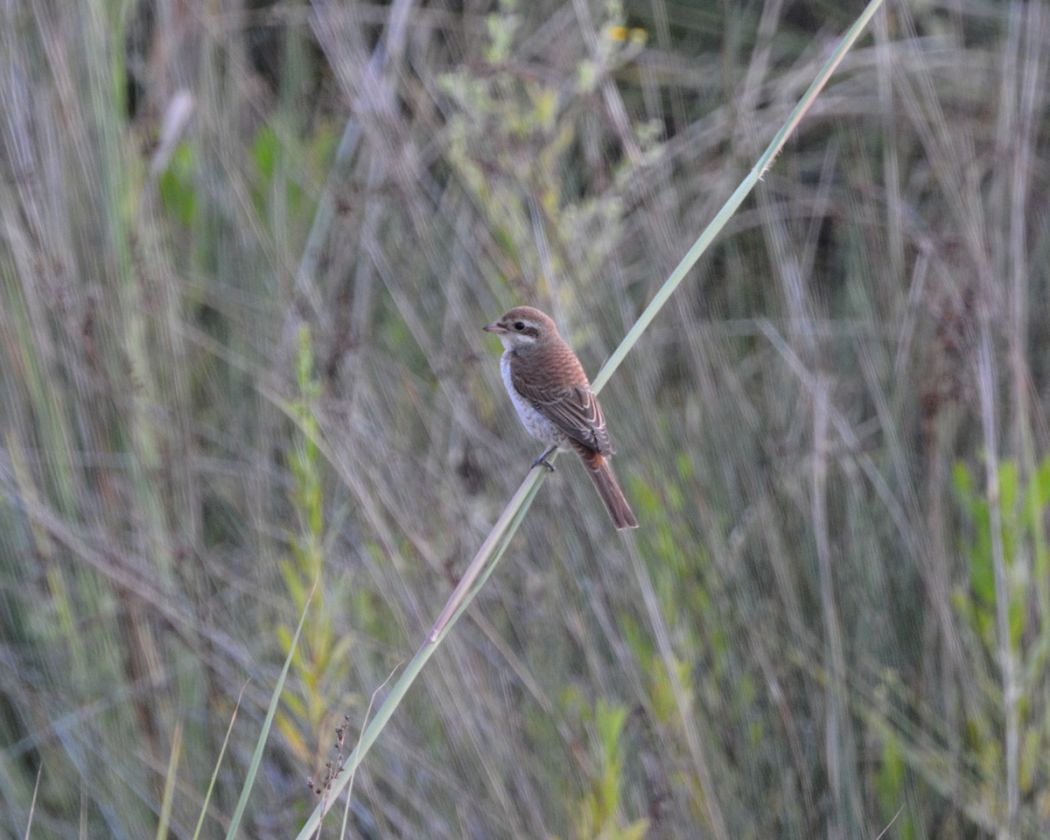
32, 805
736, 199
169, 783
496, 542
260, 744
218, 764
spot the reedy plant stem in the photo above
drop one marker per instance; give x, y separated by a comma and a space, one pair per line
264, 734
218, 764
492, 549
1007, 665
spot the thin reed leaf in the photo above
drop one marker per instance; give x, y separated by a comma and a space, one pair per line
734, 201
169, 783
264, 734
470, 584
350, 784
218, 764
32, 804
368, 737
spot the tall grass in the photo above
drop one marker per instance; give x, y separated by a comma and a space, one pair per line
498, 539
835, 439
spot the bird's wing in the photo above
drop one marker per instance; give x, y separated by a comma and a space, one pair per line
574, 410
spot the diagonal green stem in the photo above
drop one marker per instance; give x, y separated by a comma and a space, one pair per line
492, 549
736, 199
264, 734
470, 584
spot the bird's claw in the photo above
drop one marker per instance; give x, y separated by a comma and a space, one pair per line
543, 462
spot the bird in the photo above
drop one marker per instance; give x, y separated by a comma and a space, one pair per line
554, 401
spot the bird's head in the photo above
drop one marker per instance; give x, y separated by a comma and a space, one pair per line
522, 327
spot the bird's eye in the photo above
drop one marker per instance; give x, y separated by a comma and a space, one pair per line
519, 325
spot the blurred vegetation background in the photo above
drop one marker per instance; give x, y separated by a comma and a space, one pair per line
246, 249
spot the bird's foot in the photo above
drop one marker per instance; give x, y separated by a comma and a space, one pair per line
542, 460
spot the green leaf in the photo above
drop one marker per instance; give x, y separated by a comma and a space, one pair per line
265, 150
178, 194
264, 733
218, 764
891, 773
1008, 485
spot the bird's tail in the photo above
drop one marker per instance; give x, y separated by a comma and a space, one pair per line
600, 471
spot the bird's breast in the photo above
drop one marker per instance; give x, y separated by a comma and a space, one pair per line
534, 422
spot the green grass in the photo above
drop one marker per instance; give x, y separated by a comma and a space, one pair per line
834, 434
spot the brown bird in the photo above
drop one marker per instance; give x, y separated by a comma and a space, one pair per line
554, 401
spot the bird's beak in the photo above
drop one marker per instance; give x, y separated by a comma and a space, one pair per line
494, 327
